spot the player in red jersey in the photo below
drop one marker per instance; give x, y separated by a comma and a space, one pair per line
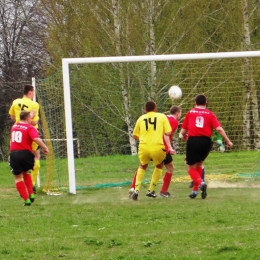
199, 123
26, 103
21, 155
168, 162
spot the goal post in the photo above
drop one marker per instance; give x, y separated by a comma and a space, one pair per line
68, 123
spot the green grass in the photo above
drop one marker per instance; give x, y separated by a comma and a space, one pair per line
93, 171
105, 224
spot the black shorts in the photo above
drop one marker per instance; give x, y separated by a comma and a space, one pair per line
168, 159
197, 149
21, 161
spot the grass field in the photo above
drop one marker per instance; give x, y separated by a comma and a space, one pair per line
105, 224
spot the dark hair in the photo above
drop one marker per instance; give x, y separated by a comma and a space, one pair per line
27, 88
150, 106
201, 100
175, 109
24, 115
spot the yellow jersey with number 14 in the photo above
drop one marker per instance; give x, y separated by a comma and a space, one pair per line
150, 128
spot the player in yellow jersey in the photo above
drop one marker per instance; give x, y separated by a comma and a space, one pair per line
26, 103
149, 130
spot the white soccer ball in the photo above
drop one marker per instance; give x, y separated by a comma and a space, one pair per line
175, 92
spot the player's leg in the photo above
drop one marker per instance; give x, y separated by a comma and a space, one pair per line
202, 177
157, 173
203, 173
28, 183
134, 179
16, 164
36, 169
207, 143
168, 163
192, 158
139, 178
158, 157
195, 176
132, 186
21, 188
143, 156
197, 150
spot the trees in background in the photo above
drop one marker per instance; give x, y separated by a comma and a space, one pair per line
148, 27
37, 34
22, 54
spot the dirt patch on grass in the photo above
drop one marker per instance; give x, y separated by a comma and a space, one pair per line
229, 184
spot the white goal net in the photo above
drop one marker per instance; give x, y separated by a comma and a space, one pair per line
101, 98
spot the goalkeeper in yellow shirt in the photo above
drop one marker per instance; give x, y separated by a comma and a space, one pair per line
26, 103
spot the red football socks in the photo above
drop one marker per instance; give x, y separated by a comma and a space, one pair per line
28, 183
20, 186
195, 176
134, 180
166, 182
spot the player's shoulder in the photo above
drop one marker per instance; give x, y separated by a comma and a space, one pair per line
171, 118
16, 101
160, 115
31, 128
210, 112
30, 102
35, 104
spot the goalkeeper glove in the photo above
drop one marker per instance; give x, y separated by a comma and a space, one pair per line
221, 147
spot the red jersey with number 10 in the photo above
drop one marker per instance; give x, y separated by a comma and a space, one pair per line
200, 122
22, 136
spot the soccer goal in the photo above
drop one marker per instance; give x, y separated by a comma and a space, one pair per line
102, 97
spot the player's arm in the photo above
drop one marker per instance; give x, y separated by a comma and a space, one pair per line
136, 131
222, 132
35, 114
34, 123
183, 134
12, 113
184, 128
168, 143
41, 144
219, 141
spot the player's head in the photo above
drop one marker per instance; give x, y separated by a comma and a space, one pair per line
150, 106
25, 116
28, 90
201, 100
176, 111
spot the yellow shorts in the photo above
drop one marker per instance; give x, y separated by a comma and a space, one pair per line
35, 146
156, 154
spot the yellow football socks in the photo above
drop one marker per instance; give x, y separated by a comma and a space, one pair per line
157, 173
35, 171
139, 178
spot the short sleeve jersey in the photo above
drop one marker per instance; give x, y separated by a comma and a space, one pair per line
200, 122
174, 125
26, 104
22, 136
150, 128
